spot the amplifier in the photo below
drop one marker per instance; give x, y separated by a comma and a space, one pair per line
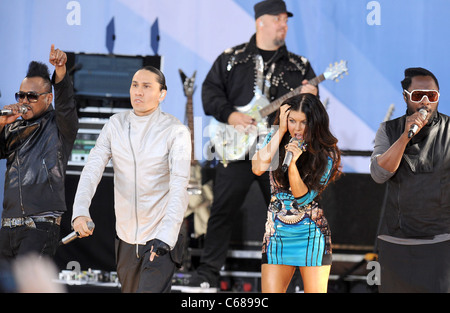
88, 132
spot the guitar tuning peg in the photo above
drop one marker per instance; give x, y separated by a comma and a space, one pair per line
337, 80
335, 63
331, 65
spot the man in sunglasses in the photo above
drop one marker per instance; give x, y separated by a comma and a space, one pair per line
36, 147
412, 155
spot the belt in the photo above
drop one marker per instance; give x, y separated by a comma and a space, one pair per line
29, 221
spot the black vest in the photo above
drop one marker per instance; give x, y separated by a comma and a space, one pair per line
418, 204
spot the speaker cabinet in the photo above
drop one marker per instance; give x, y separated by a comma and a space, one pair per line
96, 251
352, 206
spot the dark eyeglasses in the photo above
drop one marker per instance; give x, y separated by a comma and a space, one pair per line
31, 96
418, 95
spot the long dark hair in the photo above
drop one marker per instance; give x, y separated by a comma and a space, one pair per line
321, 145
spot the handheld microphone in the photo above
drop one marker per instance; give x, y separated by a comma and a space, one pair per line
288, 157
74, 235
21, 110
414, 128
287, 161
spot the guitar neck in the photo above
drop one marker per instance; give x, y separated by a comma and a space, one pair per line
317, 80
275, 105
190, 121
190, 114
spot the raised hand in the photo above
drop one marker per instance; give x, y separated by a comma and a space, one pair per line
58, 59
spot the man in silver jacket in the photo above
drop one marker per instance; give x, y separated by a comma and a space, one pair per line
150, 152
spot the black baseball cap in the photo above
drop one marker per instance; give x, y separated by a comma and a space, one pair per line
272, 7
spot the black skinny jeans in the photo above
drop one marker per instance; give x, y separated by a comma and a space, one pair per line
21, 240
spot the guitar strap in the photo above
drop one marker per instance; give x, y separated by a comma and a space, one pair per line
267, 91
262, 82
259, 74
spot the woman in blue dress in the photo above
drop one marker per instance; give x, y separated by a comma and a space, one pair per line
297, 233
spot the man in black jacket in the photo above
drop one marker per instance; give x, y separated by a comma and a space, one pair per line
264, 63
37, 148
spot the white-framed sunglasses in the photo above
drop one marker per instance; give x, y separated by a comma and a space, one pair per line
418, 95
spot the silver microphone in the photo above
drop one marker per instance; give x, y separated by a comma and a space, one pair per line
21, 110
288, 157
287, 161
74, 235
414, 128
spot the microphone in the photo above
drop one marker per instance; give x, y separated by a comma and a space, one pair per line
288, 156
74, 235
414, 128
21, 110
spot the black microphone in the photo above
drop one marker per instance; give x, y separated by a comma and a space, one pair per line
21, 110
288, 157
414, 128
74, 235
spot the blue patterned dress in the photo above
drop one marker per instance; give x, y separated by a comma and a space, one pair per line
296, 232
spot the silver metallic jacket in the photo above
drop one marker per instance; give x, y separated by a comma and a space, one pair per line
151, 160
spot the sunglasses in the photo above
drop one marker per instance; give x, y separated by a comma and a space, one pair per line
418, 95
31, 96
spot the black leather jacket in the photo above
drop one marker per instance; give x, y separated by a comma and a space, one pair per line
231, 80
37, 152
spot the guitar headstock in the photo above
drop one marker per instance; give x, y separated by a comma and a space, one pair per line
389, 112
334, 71
188, 83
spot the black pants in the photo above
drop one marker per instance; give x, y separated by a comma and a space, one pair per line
414, 268
231, 186
22, 240
138, 274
